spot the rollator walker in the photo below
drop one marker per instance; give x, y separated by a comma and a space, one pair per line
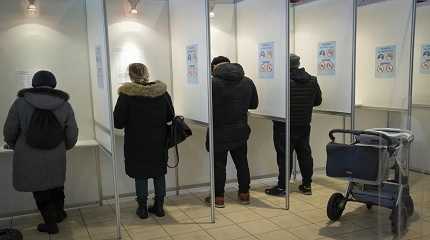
376, 166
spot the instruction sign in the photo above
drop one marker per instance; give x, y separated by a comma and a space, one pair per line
192, 64
327, 58
24, 78
100, 69
385, 62
266, 69
425, 59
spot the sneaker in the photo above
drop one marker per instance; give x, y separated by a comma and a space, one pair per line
244, 198
275, 191
305, 189
219, 202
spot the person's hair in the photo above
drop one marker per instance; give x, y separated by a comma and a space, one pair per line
138, 72
218, 60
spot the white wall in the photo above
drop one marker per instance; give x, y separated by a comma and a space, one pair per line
421, 81
223, 31
327, 21
259, 22
188, 27
382, 24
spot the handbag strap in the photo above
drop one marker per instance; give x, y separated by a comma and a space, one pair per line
172, 110
170, 106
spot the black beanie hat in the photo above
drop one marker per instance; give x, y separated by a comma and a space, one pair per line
294, 61
44, 79
218, 60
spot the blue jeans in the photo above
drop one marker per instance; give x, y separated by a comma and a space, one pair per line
142, 188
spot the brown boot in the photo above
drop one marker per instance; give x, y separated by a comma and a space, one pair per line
219, 202
244, 198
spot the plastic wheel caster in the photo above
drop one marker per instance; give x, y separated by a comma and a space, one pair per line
335, 206
399, 218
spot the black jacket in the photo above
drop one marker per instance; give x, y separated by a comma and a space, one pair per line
144, 111
305, 95
233, 94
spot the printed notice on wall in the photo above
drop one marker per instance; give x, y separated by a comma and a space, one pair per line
385, 62
24, 78
192, 64
327, 58
266, 66
99, 66
425, 59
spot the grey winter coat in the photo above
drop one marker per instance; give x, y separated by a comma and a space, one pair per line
35, 169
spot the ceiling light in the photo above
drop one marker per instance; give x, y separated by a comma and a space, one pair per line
31, 8
133, 6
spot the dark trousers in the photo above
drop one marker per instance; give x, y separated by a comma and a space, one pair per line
299, 142
142, 188
240, 160
50, 203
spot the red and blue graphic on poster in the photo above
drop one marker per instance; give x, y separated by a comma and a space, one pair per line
266, 67
327, 58
385, 62
425, 59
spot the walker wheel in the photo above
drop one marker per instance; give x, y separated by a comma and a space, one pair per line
369, 206
399, 219
409, 204
335, 206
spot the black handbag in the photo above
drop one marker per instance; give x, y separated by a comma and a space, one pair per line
10, 234
177, 132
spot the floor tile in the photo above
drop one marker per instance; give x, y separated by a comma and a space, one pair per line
243, 216
221, 221
277, 235
259, 226
199, 235
228, 233
289, 221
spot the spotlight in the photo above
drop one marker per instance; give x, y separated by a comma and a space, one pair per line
211, 14
134, 11
133, 6
31, 8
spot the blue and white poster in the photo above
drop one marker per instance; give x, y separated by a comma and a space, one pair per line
327, 58
192, 64
266, 66
385, 62
425, 59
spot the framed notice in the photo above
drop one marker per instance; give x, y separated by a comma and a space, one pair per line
385, 62
24, 78
192, 64
327, 58
425, 59
266, 69
100, 68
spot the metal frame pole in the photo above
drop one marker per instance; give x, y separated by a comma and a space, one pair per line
287, 108
354, 63
210, 114
411, 63
111, 119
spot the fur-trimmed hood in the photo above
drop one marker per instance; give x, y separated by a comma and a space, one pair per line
44, 97
150, 89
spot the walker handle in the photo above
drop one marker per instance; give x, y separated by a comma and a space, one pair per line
360, 132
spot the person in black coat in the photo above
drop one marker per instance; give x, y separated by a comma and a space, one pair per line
144, 109
233, 95
305, 95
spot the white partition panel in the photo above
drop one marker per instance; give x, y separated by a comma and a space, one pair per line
421, 83
383, 81
188, 24
223, 31
263, 22
98, 71
330, 23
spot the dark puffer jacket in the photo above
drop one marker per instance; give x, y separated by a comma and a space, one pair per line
305, 95
233, 95
144, 111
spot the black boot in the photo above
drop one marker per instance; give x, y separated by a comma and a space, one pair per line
61, 214
49, 215
158, 207
142, 210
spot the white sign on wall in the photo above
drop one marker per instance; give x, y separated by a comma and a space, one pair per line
192, 64
425, 59
24, 78
385, 62
99, 67
266, 66
327, 58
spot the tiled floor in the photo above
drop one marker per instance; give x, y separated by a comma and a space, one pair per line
188, 218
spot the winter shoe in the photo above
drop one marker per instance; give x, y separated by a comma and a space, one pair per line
142, 210
275, 191
49, 214
305, 189
219, 202
61, 214
244, 198
48, 228
158, 208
